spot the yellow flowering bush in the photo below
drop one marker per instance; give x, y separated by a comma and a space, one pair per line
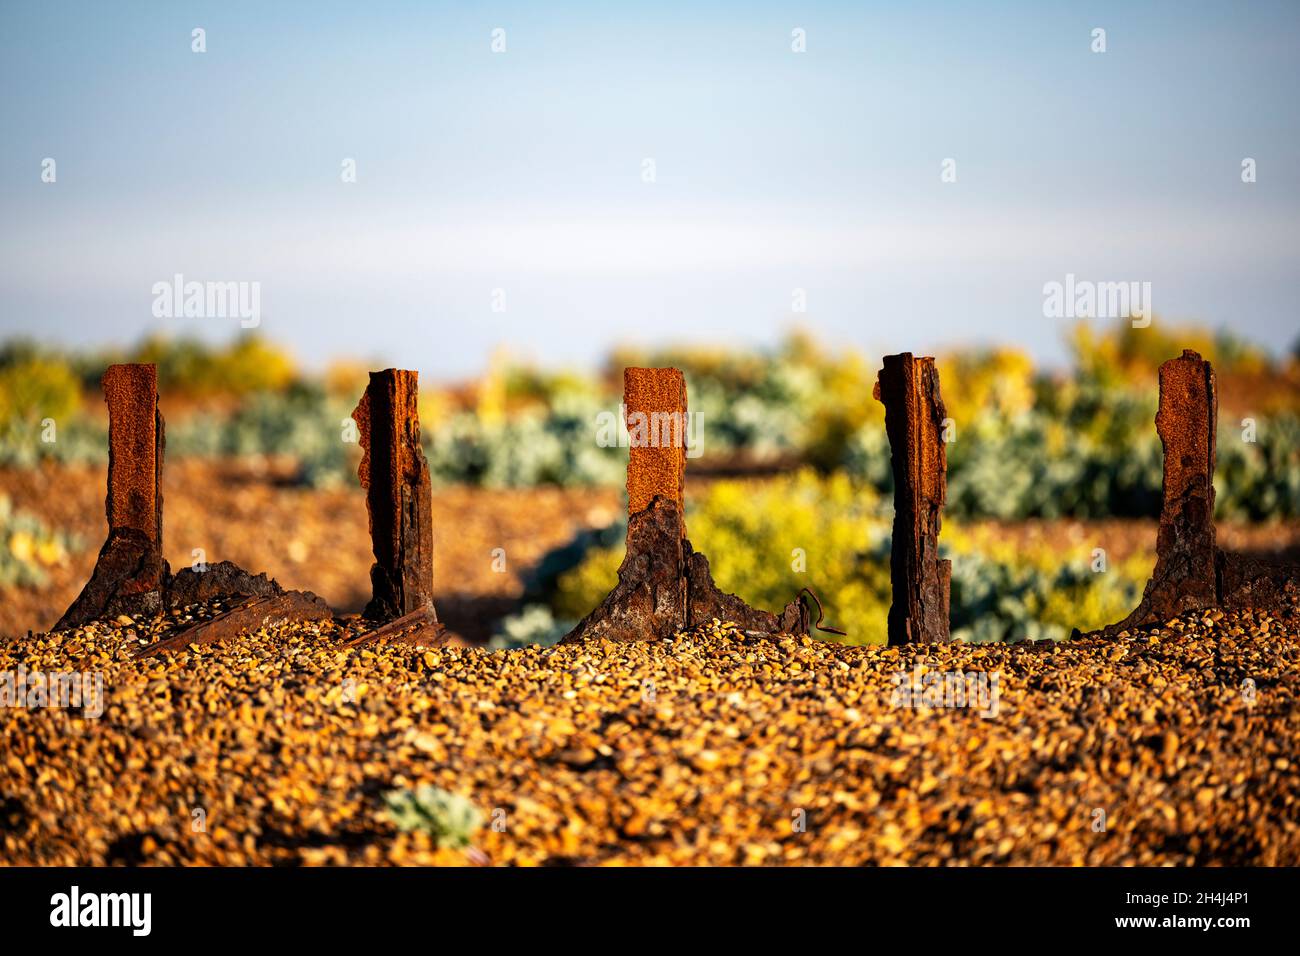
28, 549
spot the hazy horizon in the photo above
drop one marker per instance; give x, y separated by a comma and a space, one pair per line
523, 171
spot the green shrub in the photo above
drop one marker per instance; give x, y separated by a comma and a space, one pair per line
535, 625
540, 446
35, 388
191, 367
447, 817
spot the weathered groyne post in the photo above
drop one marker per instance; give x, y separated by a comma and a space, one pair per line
914, 415
655, 404
395, 476
664, 585
1184, 578
1192, 573
130, 573
650, 600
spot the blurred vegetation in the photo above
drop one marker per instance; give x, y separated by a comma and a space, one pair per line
1124, 354
28, 548
189, 369
449, 818
1029, 442
768, 539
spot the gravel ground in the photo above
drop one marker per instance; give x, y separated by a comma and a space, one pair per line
1173, 746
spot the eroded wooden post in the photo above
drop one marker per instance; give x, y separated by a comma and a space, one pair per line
1187, 421
654, 401
914, 415
664, 585
130, 573
135, 450
1192, 573
395, 474
650, 600
1185, 576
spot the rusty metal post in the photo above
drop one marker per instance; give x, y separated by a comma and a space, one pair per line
395, 474
1192, 573
1186, 576
129, 574
650, 600
664, 585
654, 402
135, 450
914, 415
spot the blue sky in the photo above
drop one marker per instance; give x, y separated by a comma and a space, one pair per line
522, 171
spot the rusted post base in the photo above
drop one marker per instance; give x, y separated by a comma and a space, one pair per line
417, 629
130, 573
664, 585
1246, 582
395, 474
914, 415
1185, 578
1192, 573
254, 614
225, 579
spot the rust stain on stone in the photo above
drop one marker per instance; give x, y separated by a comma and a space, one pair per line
395, 475
914, 415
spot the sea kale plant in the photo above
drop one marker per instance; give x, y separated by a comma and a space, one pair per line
450, 819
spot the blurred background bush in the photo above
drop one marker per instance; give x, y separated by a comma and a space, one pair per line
1030, 442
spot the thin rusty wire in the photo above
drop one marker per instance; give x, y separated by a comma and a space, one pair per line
822, 614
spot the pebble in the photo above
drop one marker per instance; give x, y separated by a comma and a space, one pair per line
276, 749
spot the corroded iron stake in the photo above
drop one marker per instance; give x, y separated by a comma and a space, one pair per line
130, 573
395, 474
664, 585
914, 414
